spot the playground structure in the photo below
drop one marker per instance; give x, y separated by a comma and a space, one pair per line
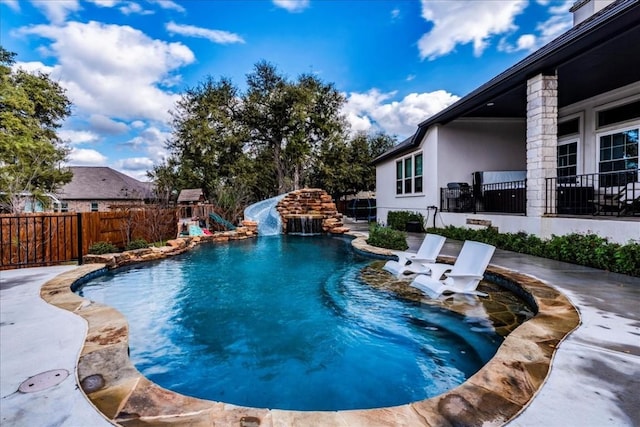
200, 219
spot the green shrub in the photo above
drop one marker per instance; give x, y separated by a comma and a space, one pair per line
589, 250
136, 244
386, 237
100, 248
398, 220
627, 259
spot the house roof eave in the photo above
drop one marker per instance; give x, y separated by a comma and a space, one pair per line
591, 32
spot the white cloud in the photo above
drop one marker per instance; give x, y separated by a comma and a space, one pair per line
152, 142
86, 157
131, 8
371, 111
463, 22
33, 67
526, 42
122, 78
559, 22
216, 36
168, 4
77, 137
135, 167
13, 4
395, 14
292, 5
104, 3
57, 11
554, 26
104, 124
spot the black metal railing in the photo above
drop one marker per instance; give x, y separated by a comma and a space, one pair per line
362, 209
500, 197
611, 193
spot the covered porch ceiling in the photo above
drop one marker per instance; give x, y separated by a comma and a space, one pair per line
584, 71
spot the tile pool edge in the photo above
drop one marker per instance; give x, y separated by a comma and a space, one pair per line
495, 394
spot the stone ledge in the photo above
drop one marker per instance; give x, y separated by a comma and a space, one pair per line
173, 247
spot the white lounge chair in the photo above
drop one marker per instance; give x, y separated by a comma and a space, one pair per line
464, 276
415, 262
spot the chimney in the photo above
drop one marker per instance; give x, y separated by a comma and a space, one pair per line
583, 9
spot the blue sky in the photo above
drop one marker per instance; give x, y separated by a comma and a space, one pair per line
125, 63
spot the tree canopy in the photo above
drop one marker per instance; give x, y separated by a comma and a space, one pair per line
277, 136
32, 108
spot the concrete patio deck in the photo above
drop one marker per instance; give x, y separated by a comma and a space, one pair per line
594, 379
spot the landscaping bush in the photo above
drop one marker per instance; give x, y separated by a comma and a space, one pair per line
136, 244
386, 237
627, 259
100, 248
584, 249
398, 220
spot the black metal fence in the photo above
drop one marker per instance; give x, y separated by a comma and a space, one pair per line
612, 193
362, 209
40, 239
501, 197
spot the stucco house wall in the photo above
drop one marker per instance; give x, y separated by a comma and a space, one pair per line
451, 153
469, 145
520, 120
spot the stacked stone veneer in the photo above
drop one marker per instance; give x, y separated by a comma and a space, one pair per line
311, 203
542, 139
174, 247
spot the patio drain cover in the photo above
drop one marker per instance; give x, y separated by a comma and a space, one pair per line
43, 380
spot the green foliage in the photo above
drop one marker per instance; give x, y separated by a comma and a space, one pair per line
385, 237
100, 248
345, 166
627, 259
398, 219
278, 135
136, 244
230, 201
583, 249
32, 108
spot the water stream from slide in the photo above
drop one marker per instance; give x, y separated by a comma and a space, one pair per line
266, 215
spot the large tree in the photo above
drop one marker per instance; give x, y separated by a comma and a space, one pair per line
345, 167
32, 108
278, 136
207, 142
290, 120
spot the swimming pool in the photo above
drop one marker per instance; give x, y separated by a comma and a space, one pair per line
285, 322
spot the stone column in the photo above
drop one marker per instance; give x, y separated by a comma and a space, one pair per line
542, 140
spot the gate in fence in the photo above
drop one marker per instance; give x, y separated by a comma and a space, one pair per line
40, 239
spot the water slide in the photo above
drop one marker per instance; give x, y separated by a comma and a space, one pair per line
266, 215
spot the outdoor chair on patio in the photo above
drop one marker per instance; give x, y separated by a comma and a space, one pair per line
625, 202
409, 262
465, 274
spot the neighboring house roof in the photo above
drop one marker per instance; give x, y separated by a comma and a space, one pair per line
591, 58
191, 195
103, 183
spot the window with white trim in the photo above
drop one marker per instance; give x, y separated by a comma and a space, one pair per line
618, 163
567, 160
618, 144
409, 174
567, 152
94, 206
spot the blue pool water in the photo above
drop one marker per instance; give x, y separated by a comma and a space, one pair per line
285, 322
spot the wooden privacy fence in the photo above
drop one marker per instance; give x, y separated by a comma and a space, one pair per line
29, 240
39, 239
